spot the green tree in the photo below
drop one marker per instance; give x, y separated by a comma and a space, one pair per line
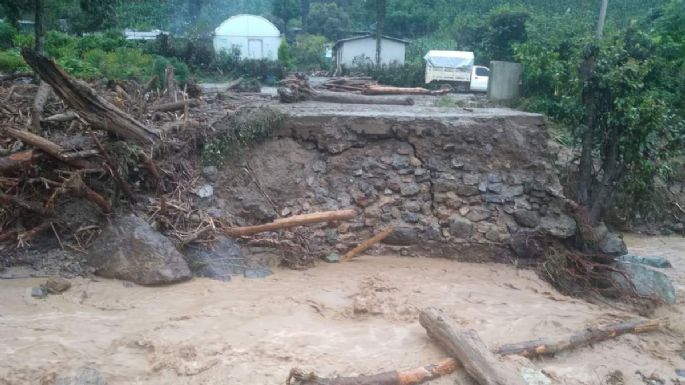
309, 51
96, 15
285, 56
327, 19
285, 9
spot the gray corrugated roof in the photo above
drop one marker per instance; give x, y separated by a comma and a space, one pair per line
337, 43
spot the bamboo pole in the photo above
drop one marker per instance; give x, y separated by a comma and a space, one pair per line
295, 220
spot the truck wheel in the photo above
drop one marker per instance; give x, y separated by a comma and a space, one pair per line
462, 88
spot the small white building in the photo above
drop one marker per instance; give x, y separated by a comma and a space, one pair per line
255, 37
362, 50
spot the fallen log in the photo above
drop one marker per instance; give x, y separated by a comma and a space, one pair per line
44, 145
406, 377
17, 160
388, 90
295, 220
467, 347
368, 243
451, 365
94, 109
339, 97
41, 98
549, 346
175, 106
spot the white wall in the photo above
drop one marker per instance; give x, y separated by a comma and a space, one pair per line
269, 46
391, 51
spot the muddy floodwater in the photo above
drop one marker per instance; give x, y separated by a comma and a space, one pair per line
336, 319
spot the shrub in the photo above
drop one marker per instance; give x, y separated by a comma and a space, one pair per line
266, 71
11, 61
285, 56
309, 52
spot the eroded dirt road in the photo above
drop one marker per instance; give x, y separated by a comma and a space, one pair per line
342, 319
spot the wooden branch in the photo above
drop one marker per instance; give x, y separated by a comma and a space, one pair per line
175, 106
295, 220
44, 145
41, 98
407, 377
114, 169
548, 346
94, 109
29, 206
467, 347
368, 243
25, 237
170, 79
76, 185
17, 160
63, 117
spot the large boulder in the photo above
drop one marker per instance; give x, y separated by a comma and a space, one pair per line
646, 281
559, 225
221, 260
130, 249
613, 244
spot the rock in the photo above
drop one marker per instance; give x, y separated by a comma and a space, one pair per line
412, 206
613, 244
512, 191
457, 163
495, 188
402, 236
658, 262
210, 172
494, 178
526, 245
467, 190
409, 189
560, 226
478, 214
261, 272
57, 285
534, 376
414, 161
400, 161
332, 258
83, 376
527, 218
358, 172
411, 217
38, 292
223, 259
204, 191
131, 250
647, 281
471, 179
460, 227
319, 166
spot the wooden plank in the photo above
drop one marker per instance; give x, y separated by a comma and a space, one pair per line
368, 243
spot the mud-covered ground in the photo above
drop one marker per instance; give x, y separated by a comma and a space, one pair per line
337, 319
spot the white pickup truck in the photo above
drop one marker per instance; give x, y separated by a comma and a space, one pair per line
456, 69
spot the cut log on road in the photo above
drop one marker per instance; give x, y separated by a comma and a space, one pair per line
388, 90
92, 108
44, 145
368, 243
467, 347
406, 377
295, 220
548, 346
17, 160
340, 97
175, 106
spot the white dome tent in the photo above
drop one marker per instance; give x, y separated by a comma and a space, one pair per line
255, 36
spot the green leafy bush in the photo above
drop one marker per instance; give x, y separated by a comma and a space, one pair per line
11, 61
7, 34
309, 52
285, 56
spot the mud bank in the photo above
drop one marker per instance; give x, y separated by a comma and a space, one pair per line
449, 179
343, 319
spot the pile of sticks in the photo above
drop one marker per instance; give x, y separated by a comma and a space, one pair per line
368, 86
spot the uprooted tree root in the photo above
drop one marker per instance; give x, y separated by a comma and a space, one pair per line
577, 273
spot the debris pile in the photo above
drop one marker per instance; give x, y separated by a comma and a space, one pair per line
368, 86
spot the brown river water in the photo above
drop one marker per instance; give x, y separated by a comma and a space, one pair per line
344, 319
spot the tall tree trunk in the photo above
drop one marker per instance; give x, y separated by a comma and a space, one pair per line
602, 17
39, 29
380, 17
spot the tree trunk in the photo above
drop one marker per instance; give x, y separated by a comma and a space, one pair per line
602, 17
44, 145
295, 220
170, 80
39, 27
94, 109
175, 106
467, 347
41, 98
380, 18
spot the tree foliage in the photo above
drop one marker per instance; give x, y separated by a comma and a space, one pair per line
327, 19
